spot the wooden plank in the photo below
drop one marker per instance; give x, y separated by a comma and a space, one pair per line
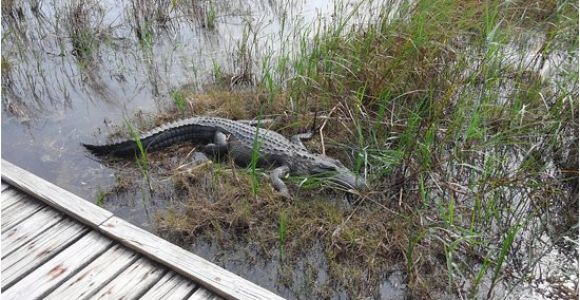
21, 201
96, 275
10, 197
183, 289
19, 212
48, 276
161, 288
4, 186
171, 286
39, 250
203, 272
54, 196
203, 294
28, 229
132, 282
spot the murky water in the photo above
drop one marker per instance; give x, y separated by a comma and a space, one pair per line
58, 94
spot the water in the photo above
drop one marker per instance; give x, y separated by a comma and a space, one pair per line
55, 98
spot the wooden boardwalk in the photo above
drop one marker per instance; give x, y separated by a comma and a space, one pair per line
56, 245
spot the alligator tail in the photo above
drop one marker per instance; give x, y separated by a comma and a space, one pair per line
124, 148
155, 140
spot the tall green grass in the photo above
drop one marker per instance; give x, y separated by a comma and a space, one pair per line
141, 156
282, 232
255, 158
435, 96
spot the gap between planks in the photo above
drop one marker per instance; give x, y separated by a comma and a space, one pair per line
4, 186
29, 229
133, 282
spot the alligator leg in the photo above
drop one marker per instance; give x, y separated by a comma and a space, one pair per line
276, 178
199, 158
297, 139
219, 147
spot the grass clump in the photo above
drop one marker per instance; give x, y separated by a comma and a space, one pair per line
179, 100
84, 25
141, 156
101, 196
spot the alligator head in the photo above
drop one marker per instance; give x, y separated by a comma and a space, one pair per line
318, 164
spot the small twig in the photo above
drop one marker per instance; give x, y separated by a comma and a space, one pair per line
322, 128
459, 291
234, 171
400, 196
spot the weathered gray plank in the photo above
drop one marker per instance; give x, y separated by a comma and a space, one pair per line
39, 250
28, 229
53, 195
132, 282
19, 212
171, 286
20, 201
161, 288
10, 197
184, 287
203, 294
203, 272
97, 274
48, 276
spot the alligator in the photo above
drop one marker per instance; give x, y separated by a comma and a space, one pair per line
241, 141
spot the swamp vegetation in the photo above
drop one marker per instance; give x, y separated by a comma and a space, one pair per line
461, 115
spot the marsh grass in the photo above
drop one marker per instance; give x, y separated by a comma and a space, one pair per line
282, 231
144, 15
210, 17
101, 196
141, 156
458, 130
86, 31
179, 100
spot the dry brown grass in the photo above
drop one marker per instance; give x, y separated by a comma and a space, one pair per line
360, 242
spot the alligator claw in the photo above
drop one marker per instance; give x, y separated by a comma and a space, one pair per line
276, 178
285, 194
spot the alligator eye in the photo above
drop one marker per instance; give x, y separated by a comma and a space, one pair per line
327, 167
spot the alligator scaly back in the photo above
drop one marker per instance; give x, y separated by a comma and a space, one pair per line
187, 130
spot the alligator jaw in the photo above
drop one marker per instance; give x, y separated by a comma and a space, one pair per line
349, 180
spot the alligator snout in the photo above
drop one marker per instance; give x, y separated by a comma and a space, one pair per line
349, 180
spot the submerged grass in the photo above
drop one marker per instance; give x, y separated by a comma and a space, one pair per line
458, 128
